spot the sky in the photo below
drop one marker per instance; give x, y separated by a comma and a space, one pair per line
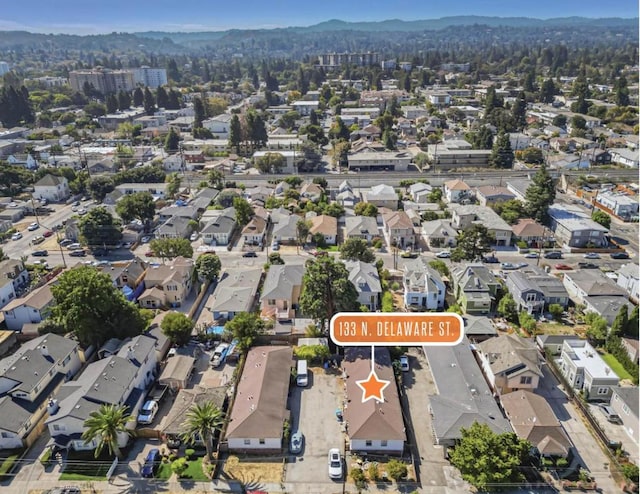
103, 16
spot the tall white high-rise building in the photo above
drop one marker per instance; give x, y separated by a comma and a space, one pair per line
150, 77
4, 68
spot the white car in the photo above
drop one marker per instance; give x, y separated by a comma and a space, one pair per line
16, 236
335, 464
531, 255
443, 255
194, 236
148, 412
592, 255
145, 240
404, 363
33, 226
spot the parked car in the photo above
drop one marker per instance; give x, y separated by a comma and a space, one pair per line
77, 253
297, 439
82, 211
151, 463
507, 265
553, 255
275, 246
38, 239
491, 260
409, 254
587, 265
33, 226
619, 255
127, 245
16, 236
146, 239
563, 267
194, 236
611, 415
74, 246
148, 412
249, 254
317, 253
75, 203
531, 255
40, 253
404, 363
47, 234
335, 464
219, 354
443, 255
65, 242
592, 255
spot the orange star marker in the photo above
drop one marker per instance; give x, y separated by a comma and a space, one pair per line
372, 387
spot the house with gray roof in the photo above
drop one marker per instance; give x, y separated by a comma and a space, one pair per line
28, 381
439, 233
120, 379
423, 286
33, 308
534, 290
629, 280
624, 400
419, 192
574, 228
203, 199
281, 291
533, 420
174, 227
478, 328
260, 407
552, 343
364, 276
285, 230
189, 212
509, 363
475, 288
465, 215
235, 292
585, 370
463, 396
382, 196
363, 227
13, 276
218, 230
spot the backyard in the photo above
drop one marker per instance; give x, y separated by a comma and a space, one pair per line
248, 472
616, 366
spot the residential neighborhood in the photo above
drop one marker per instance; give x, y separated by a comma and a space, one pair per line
179, 229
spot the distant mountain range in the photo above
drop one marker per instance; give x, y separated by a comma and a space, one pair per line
398, 25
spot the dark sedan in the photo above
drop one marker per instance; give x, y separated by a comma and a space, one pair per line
151, 463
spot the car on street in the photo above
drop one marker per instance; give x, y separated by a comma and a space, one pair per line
531, 255
47, 234
38, 239
619, 255
591, 255
151, 463
82, 211
146, 239
74, 246
587, 265
16, 236
553, 255
404, 363
65, 242
249, 254
40, 253
563, 267
508, 265
275, 246
610, 414
297, 439
409, 254
75, 203
491, 260
127, 245
194, 236
335, 464
77, 253
33, 226
318, 253
443, 255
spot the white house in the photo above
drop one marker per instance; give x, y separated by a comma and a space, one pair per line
13, 275
218, 125
364, 276
423, 286
157, 190
121, 379
585, 370
30, 309
28, 380
52, 188
456, 190
629, 279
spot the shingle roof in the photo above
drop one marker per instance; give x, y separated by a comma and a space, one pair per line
281, 280
509, 354
629, 395
235, 291
324, 224
364, 276
260, 405
360, 225
50, 180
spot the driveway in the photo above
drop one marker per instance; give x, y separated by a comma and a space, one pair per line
313, 413
616, 432
587, 449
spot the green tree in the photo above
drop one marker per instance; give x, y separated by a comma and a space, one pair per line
518, 111
91, 307
508, 308
634, 324
98, 228
472, 243
112, 103
177, 327
510, 211
620, 322
540, 195
208, 266
173, 184
440, 267
547, 91
601, 218
556, 311
621, 91
275, 259
199, 113
138, 97
527, 322
162, 98
487, 459
326, 289
366, 209
482, 139
172, 141
169, 248
244, 211
532, 155
339, 130
501, 153
559, 121
245, 327
149, 102
201, 423
303, 227
139, 205
270, 163
596, 328
396, 469
235, 133
356, 249
106, 426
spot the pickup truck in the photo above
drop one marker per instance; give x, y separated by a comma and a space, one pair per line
219, 354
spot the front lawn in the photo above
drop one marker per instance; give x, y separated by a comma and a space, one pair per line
616, 366
194, 471
164, 471
8, 460
84, 466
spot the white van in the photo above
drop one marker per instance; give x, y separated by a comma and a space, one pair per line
302, 374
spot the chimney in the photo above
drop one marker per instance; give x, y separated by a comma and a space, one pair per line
52, 407
130, 353
44, 350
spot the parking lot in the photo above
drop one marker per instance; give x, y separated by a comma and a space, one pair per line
313, 411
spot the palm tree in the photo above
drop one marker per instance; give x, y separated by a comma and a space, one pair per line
202, 420
105, 425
